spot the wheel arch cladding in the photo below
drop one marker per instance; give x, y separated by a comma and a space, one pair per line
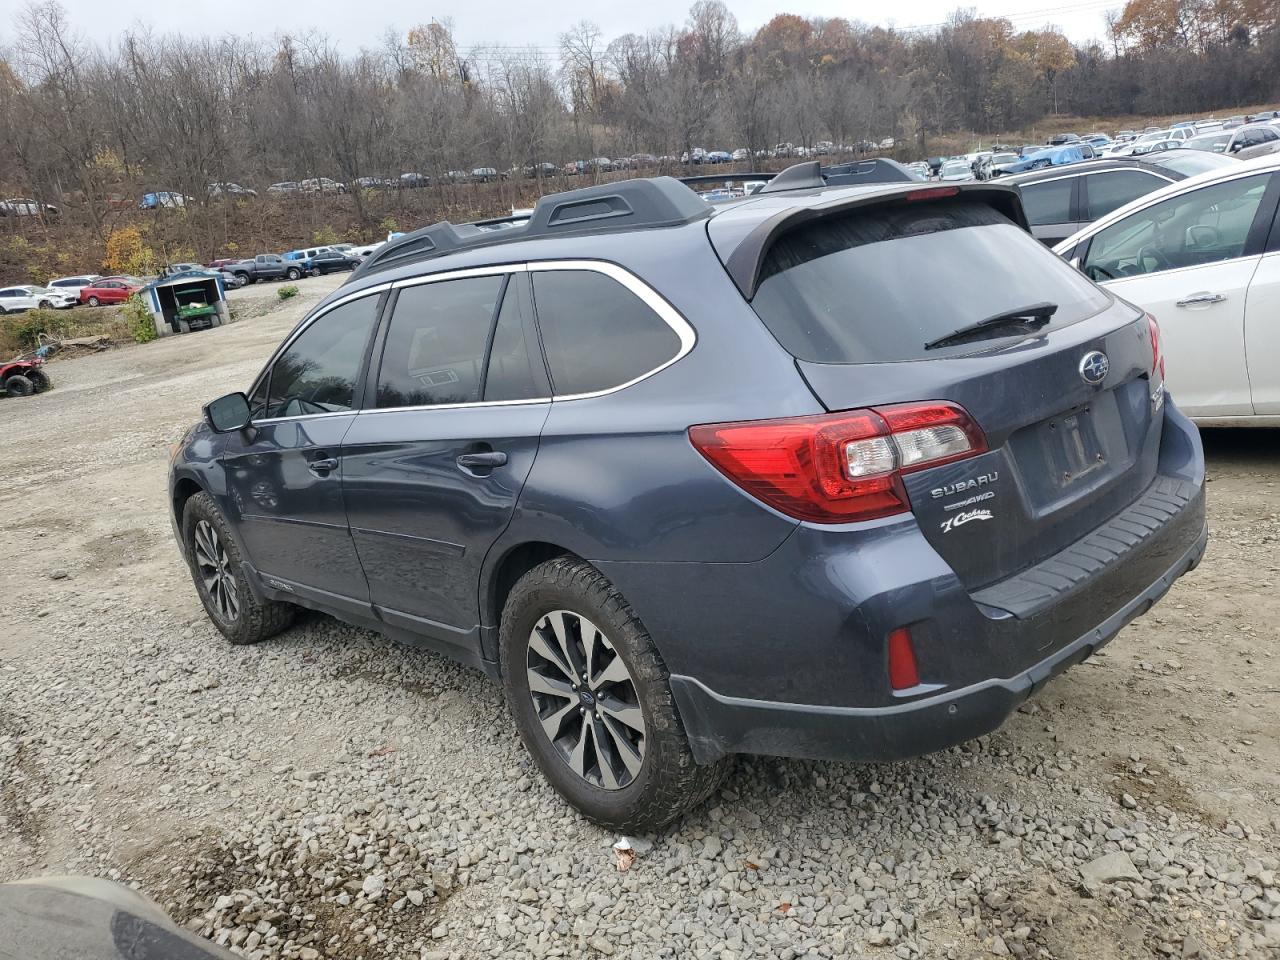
183, 490
507, 570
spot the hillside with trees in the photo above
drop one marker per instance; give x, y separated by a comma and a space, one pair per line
90, 127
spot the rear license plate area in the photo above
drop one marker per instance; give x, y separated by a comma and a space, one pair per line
1072, 448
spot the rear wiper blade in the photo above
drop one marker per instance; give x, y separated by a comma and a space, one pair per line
1034, 316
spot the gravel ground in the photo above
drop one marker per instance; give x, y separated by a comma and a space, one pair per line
331, 794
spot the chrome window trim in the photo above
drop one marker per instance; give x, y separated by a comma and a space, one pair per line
462, 274
683, 330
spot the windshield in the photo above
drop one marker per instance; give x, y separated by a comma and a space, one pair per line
848, 289
1217, 141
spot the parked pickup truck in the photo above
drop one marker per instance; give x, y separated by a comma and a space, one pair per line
267, 266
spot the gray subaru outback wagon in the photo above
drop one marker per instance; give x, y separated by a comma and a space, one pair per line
821, 472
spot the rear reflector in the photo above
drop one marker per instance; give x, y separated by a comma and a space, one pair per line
903, 673
839, 467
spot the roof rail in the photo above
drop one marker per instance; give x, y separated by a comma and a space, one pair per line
798, 176
604, 208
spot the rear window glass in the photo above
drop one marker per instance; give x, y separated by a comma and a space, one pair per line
876, 286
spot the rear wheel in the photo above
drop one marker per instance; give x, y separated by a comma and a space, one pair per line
94, 302
39, 380
19, 386
590, 696
218, 573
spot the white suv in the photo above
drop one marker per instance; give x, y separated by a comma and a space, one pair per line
73, 285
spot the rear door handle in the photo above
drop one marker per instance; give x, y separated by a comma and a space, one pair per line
1196, 299
322, 465
488, 458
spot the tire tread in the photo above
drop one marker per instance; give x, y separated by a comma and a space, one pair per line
682, 783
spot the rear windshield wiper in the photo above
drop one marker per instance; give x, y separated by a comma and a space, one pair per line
1034, 316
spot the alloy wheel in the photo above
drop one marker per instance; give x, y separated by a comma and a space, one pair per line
215, 571
586, 700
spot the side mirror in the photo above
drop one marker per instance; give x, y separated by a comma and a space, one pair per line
228, 414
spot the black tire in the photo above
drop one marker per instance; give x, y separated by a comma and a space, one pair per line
45, 304
668, 781
184, 326
293, 273
243, 277
39, 380
94, 302
254, 619
19, 386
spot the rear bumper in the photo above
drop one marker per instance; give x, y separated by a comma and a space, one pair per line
718, 725
788, 655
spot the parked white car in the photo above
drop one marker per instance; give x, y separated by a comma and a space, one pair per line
17, 299
26, 207
1203, 257
73, 285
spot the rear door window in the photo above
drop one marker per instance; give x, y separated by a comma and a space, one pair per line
597, 334
510, 373
436, 342
876, 285
1048, 202
1113, 189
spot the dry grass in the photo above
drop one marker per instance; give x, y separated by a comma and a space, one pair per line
18, 331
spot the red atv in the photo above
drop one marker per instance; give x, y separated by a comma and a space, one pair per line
21, 378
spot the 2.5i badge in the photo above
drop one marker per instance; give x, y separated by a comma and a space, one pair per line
962, 518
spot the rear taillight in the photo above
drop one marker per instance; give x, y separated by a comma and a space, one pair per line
839, 467
1157, 355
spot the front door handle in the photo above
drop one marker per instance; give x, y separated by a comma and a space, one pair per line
322, 465
486, 459
1197, 299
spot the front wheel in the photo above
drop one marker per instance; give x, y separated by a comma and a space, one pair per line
45, 304
590, 696
39, 380
293, 273
19, 386
218, 573
94, 302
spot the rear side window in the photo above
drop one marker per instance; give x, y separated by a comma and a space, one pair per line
436, 343
1112, 190
1048, 202
876, 285
597, 334
317, 373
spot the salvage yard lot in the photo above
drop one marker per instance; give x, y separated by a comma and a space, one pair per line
329, 793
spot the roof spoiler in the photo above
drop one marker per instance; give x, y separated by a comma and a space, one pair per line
812, 175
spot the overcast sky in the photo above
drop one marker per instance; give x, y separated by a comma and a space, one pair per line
527, 23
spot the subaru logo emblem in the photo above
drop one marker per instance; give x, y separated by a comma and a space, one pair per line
1094, 366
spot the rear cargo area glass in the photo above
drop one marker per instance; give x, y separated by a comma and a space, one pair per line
876, 285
